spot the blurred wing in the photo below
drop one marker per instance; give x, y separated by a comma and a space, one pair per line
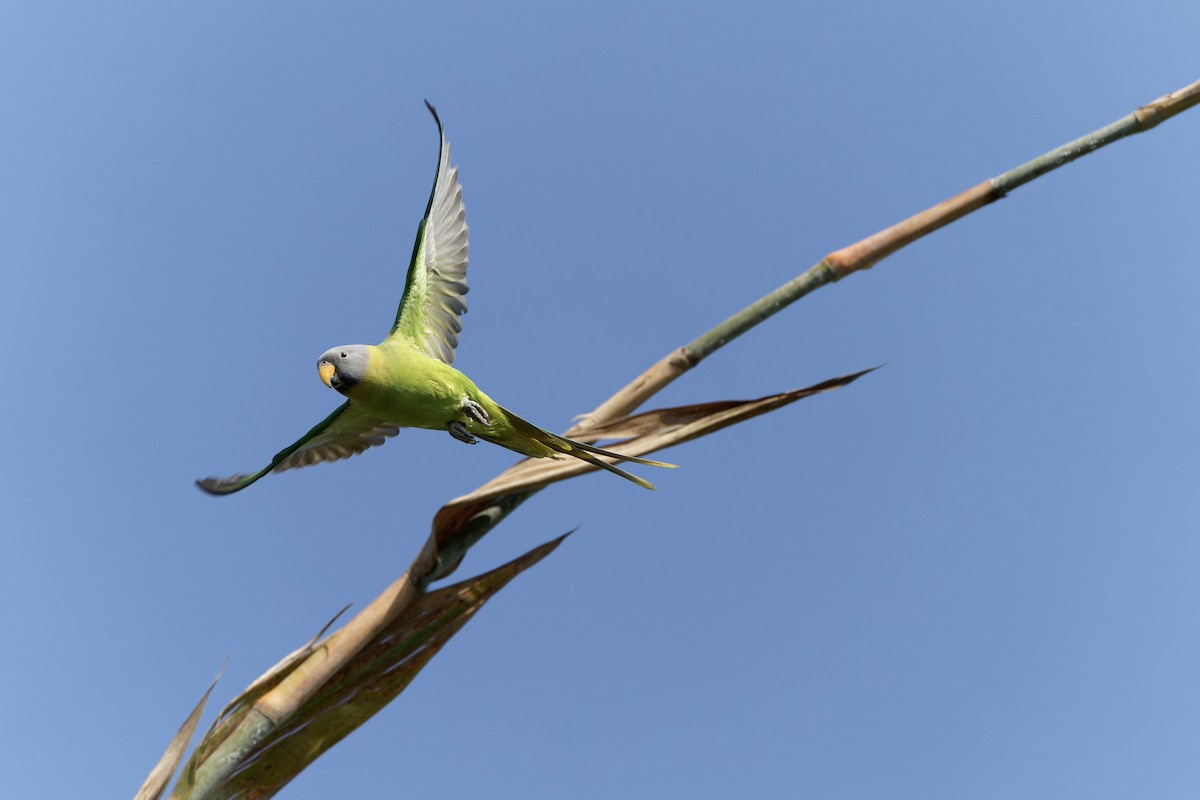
344, 433
433, 301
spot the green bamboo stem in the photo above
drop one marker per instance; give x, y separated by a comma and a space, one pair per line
866, 253
1143, 119
224, 761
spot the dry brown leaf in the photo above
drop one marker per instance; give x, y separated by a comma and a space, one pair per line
160, 776
363, 686
464, 520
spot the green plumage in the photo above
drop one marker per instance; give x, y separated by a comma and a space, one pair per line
404, 386
407, 380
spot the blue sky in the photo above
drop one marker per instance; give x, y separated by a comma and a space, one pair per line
973, 573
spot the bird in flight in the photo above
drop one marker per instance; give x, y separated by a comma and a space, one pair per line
407, 381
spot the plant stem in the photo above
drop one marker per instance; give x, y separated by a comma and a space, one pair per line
866, 253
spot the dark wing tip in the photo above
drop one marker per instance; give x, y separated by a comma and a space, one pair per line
436, 118
223, 486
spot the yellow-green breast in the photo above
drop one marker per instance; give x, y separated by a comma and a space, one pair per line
407, 387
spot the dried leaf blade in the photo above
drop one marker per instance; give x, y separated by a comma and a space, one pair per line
160, 776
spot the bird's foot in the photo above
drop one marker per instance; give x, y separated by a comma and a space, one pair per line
475, 412
459, 432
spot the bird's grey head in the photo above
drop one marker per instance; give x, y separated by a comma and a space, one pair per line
343, 367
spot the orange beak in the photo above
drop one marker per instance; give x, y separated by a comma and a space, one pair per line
326, 371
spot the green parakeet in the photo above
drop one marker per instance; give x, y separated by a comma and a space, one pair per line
407, 381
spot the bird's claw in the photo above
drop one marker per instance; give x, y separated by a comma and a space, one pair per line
458, 431
473, 412
476, 412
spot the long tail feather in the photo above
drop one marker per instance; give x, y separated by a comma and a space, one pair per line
583, 455
600, 452
552, 444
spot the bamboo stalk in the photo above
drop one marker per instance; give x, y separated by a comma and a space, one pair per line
867, 252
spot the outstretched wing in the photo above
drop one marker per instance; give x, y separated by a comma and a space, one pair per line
344, 433
428, 316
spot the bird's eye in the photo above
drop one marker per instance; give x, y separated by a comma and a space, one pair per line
343, 354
